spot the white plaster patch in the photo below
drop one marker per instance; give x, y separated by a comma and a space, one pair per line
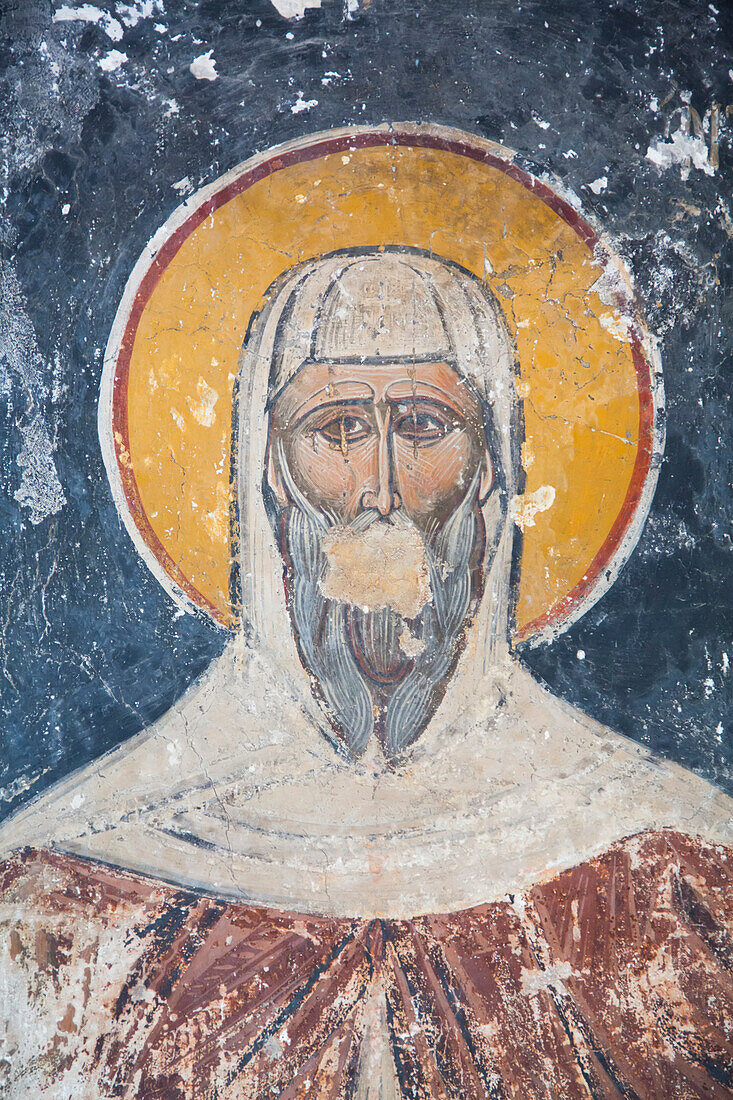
523, 509
552, 977
203, 67
203, 408
132, 13
19, 786
615, 326
294, 9
614, 285
408, 643
183, 186
40, 490
112, 61
88, 13
682, 149
599, 185
303, 104
562, 190
384, 566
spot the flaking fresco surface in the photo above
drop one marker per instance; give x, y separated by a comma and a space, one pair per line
366, 648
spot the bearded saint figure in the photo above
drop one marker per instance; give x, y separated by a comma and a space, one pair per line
368, 855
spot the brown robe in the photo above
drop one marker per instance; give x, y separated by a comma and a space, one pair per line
612, 979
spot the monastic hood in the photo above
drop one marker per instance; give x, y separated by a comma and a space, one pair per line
236, 791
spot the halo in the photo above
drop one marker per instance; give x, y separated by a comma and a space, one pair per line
590, 379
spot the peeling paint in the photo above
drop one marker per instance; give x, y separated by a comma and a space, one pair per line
683, 150
24, 379
294, 9
203, 67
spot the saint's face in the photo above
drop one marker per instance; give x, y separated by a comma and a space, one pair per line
379, 470
380, 436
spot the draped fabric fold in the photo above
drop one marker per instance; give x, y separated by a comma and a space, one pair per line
613, 979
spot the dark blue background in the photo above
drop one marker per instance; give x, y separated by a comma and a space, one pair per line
93, 649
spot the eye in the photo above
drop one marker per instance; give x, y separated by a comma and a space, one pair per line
421, 425
343, 430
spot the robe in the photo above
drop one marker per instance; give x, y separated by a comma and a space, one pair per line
612, 979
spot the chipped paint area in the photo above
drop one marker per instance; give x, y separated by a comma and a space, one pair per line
25, 378
525, 508
683, 150
295, 9
384, 566
203, 67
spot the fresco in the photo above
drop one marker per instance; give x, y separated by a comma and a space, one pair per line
366, 578
383, 406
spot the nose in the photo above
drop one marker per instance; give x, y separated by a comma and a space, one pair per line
385, 499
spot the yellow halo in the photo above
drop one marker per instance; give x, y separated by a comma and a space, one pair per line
590, 396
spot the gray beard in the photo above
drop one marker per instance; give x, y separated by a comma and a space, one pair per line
395, 693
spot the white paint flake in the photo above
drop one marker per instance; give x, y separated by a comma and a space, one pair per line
19, 786
22, 378
112, 61
294, 9
183, 187
303, 104
132, 13
88, 13
203, 67
599, 185
616, 325
552, 977
524, 508
683, 149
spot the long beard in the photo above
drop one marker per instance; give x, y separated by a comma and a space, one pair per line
378, 670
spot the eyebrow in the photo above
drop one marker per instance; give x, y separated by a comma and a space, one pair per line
324, 406
408, 390
362, 403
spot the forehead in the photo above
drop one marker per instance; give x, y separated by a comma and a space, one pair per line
320, 383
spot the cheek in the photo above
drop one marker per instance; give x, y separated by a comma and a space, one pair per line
324, 474
434, 479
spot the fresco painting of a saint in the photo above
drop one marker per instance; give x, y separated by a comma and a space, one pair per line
367, 854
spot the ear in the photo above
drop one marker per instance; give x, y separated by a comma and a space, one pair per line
486, 483
274, 477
